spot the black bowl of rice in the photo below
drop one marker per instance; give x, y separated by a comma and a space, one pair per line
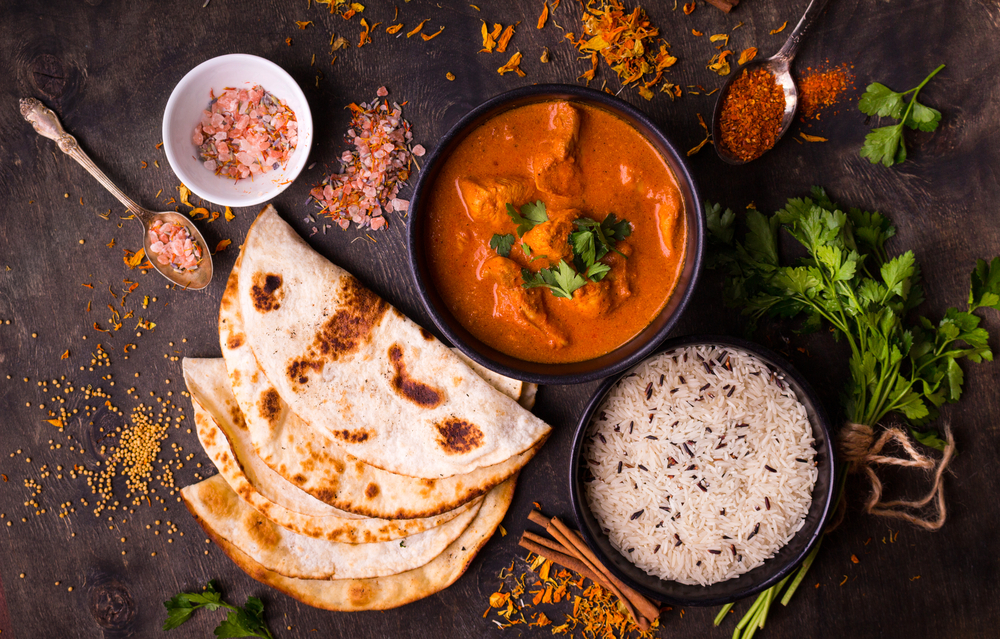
705, 473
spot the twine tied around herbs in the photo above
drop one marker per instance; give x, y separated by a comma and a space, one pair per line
859, 447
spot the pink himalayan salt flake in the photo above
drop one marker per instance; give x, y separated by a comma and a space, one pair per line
382, 92
173, 245
418, 150
261, 129
375, 167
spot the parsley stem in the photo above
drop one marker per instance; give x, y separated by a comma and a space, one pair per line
913, 99
803, 569
722, 613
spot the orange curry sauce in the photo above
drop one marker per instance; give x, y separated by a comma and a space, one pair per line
581, 161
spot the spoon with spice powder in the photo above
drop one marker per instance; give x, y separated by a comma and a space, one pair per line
756, 107
173, 245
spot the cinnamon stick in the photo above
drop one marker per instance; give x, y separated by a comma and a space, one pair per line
643, 605
558, 557
723, 5
607, 581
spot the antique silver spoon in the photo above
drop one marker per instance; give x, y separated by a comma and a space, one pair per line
47, 125
780, 66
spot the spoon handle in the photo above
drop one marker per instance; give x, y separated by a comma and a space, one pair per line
47, 124
791, 46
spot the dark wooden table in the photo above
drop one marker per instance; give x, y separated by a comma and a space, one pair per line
107, 69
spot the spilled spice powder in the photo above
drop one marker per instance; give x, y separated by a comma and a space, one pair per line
751, 115
820, 88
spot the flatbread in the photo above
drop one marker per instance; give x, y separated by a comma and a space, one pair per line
507, 385
321, 467
353, 367
287, 553
225, 438
528, 393
386, 592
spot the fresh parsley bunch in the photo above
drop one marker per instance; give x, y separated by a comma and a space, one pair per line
591, 241
240, 622
848, 281
885, 144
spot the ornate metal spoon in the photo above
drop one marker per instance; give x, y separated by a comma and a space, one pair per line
780, 67
47, 125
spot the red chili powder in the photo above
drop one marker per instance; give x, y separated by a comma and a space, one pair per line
752, 111
820, 88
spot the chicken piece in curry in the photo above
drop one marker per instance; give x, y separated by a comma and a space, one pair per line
506, 212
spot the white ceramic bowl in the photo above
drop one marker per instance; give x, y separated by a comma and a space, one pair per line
191, 96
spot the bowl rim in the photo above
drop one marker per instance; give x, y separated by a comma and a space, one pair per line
302, 116
696, 233
810, 400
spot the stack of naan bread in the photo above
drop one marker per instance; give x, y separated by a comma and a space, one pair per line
362, 463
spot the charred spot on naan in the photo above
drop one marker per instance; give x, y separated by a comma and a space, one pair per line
457, 436
298, 368
405, 386
347, 329
269, 405
426, 334
260, 530
372, 490
357, 436
236, 415
360, 593
266, 292
235, 340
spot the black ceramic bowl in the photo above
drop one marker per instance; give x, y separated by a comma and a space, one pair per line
771, 571
623, 357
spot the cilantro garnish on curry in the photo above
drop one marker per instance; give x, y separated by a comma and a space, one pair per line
556, 232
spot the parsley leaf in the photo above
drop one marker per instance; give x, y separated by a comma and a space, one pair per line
886, 144
502, 244
562, 280
241, 622
246, 622
593, 240
985, 288
882, 101
530, 216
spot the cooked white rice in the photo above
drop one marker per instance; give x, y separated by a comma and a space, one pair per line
708, 477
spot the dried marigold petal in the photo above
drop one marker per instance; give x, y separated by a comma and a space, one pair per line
505, 37
781, 28
431, 36
415, 31
303, 24
689, 8
696, 33
450, 76
812, 138
747, 55
65, 355
394, 28
544, 15
221, 246
230, 216
514, 64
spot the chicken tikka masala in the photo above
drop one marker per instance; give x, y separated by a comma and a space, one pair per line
556, 232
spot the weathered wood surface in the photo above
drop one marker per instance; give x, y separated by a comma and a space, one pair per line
107, 69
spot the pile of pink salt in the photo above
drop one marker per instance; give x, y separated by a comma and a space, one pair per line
173, 245
246, 132
374, 169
